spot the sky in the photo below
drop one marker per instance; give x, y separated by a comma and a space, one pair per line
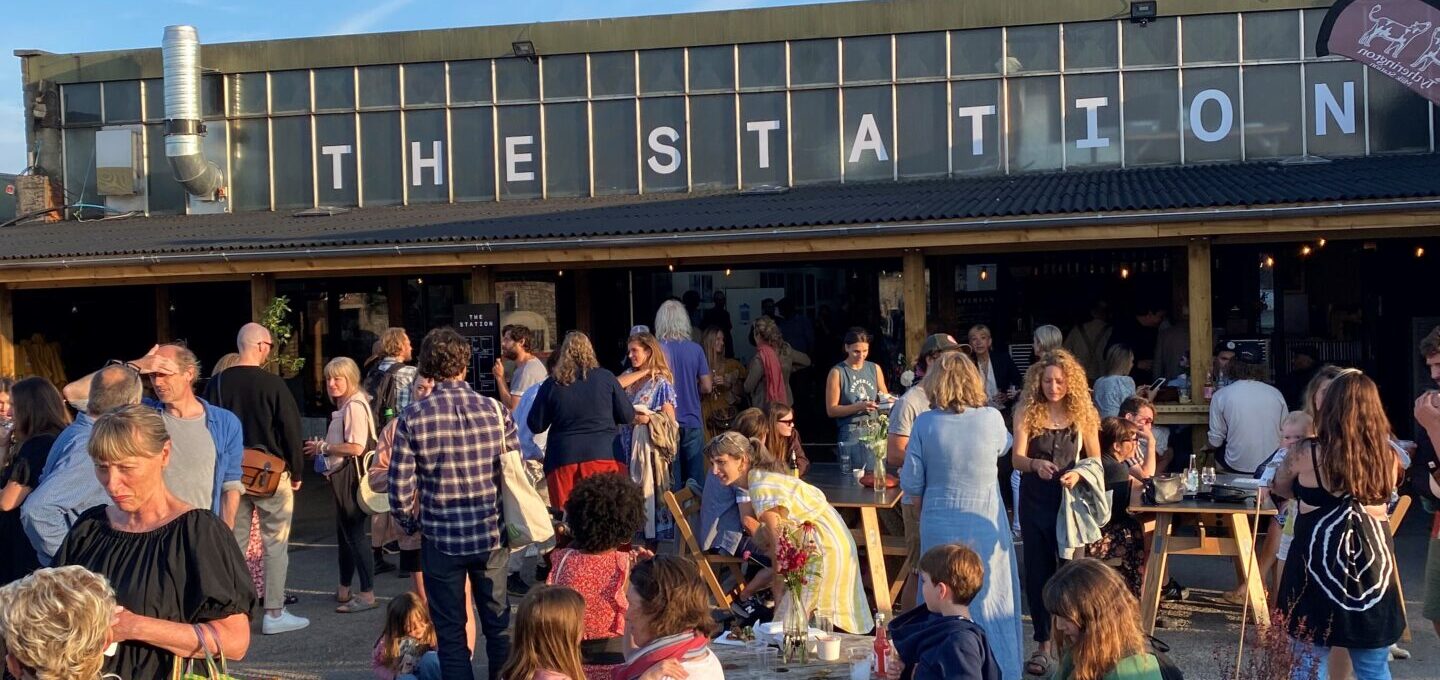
71, 26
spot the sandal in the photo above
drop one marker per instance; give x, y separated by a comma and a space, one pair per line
356, 605
1039, 665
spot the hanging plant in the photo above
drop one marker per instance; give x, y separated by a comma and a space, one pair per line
287, 359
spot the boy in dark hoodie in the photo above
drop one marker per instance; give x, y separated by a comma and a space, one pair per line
939, 641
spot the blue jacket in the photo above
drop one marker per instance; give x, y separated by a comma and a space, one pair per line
936, 647
68, 487
229, 438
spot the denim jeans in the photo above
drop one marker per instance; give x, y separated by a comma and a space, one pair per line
445, 577
1313, 661
690, 459
427, 669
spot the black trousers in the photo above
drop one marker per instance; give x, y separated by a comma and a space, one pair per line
1041, 548
445, 577
354, 553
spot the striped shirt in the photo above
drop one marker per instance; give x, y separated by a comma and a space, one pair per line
447, 449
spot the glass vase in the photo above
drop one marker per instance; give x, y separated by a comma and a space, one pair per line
795, 622
877, 456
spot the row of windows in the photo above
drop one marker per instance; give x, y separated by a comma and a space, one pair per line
725, 141
978, 53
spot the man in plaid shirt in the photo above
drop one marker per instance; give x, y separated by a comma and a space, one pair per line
447, 450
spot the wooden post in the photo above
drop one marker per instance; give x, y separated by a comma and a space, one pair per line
915, 303
7, 331
482, 285
395, 300
262, 291
162, 313
582, 300
1202, 326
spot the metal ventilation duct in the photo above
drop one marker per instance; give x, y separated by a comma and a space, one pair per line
183, 129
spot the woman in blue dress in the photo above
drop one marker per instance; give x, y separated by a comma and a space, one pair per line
950, 471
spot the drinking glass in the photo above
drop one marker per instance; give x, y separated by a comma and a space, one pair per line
1207, 476
824, 622
860, 664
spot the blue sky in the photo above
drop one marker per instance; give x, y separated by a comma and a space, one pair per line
70, 26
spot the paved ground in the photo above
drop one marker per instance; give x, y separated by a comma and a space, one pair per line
338, 646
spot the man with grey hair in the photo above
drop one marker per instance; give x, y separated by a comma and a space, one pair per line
692, 379
68, 485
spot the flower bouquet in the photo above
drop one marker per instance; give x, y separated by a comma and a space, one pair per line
874, 429
797, 564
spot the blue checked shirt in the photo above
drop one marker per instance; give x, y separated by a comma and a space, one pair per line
447, 449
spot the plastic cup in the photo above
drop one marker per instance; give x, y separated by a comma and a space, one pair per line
829, 648
859, 660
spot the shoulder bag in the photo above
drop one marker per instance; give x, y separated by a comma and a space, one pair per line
1164, 490
524, 515
370, 501
260, 470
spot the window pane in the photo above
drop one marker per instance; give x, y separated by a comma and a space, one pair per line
1212, 121
154, 100
975, 53
1035, 128
1091, 45
1033, 48
762, 129
247, 94
379, 86
867, 59
1210, 39
167, 197
712, 149
1152, 44
380, 162
1152, 128
1338, 111
290, 91
517, 80
615, 171
250, 164
521, 152
662, 71
212, 97
816, 144
762, 65
82, 103
712, 69
565, 76
567, 150
427, 182
294, 171
1313, 19
813, 62
80, 165
1272, 35
470, 81
612, 73
920, 148
424, 84
868, 135
1273, 99
1098, 145
1398, 117
122, 101
473, 156
920, 55
334, 89
977, 102
335, 144
662, 127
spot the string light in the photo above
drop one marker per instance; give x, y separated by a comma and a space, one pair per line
1419, 251
671, 266
727, 271
1322, 243
419, 282
1267, 261
1124, 272
984, 274
1305, 251
560, 273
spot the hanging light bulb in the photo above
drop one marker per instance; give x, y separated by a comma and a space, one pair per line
1269, 261
1322, 243
727, 271
1419, 251
419, 282
1124, 272
672, 266
984, 274
1305, 251
74, 309
172, 306
560, 272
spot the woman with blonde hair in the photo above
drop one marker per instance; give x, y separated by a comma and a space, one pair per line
1113, 388
55, 623
1055, 427
719, 406
1099, 625
582, 406
649, 384
768, 380
951, 462
350, 436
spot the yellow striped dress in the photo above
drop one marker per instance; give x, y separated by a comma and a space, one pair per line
839, 589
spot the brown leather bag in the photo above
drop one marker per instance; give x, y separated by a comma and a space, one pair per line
260, 472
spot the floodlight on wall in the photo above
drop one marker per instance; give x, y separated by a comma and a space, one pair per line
1143, 12
525, 49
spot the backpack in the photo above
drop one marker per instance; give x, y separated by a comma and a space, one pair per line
384, 390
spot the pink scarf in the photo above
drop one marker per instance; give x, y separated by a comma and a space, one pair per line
774, 379
676, 647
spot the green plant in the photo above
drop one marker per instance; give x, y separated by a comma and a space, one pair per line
277, 318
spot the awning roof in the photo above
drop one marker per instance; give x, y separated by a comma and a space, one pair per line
1112, 192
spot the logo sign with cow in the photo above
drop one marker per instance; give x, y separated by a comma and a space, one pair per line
1399, 38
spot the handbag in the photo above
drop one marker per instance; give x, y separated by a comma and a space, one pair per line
526, 518
371, 502
214, 669
260, 470
1164, 489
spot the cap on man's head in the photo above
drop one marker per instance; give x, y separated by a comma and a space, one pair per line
939, 342
639, 328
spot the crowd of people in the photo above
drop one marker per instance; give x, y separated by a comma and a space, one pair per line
157, 520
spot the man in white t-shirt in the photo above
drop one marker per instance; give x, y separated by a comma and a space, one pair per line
516, 344
1245, 416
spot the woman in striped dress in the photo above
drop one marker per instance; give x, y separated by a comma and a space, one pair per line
748, 466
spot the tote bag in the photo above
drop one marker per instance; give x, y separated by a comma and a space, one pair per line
526, 518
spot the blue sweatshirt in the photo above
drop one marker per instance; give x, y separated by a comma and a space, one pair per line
937, 647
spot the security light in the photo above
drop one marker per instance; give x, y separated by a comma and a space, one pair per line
526, 48
1142, 12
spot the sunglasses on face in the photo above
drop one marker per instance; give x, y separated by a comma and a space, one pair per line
787, 421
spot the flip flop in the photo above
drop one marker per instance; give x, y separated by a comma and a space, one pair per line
355, 605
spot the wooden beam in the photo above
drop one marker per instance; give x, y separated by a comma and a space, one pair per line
1202, 326
7, 332
482, 285
162, 314
262, 291
395, 300
916, 302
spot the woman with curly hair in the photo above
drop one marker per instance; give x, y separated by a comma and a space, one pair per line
648, 382
582, 406
1056, 426
55, 623
1099, 625
768, 381
604, 513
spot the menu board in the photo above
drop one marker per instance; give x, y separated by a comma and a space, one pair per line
481, 325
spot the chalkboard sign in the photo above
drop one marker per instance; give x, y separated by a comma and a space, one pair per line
481, 325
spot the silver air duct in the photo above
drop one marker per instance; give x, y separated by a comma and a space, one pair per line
183, 128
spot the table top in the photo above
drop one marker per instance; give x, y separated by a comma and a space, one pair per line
737, 662
1197, 506
842, 491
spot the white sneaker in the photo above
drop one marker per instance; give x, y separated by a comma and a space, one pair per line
283, 623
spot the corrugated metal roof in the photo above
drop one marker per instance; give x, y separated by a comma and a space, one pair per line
1048, 194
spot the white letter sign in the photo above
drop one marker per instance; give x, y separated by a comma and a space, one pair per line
513, 159
418, 162
763, 128
1092, 140
660, 147
1325, 103
335, 152
867, 138
1227, 115
977, 129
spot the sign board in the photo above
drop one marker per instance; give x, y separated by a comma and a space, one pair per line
481, 325
1399, 38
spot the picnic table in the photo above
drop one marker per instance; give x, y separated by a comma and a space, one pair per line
843, 492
